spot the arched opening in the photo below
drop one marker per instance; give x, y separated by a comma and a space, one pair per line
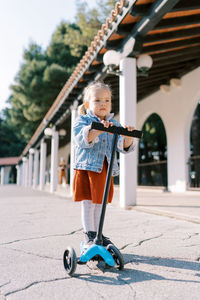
194, 161
152, 166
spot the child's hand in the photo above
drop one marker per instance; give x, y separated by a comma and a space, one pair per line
107, 123
130, 128
94, 133
128, 139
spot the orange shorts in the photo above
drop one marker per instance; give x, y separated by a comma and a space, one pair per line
89, 185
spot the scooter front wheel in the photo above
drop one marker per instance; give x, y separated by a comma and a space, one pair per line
70, 260
117, 256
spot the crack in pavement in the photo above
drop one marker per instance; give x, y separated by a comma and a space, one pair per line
100, 296
141, 242
127, 283
187, 246
35, 283
33, 254
41, 237
149, 239
191, 235
5, 284
2, 296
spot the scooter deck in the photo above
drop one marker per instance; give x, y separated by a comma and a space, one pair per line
94, 250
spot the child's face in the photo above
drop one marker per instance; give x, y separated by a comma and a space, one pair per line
100, 102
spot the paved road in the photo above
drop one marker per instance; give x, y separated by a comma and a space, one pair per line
162, 255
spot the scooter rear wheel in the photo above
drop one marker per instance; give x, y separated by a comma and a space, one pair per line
70, 260
117, 256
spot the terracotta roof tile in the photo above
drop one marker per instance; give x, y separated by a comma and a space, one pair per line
85, 59
9, 161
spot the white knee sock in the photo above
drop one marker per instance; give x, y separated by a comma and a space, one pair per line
97, 213
87, 215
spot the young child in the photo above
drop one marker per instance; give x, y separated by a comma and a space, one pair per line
93, 154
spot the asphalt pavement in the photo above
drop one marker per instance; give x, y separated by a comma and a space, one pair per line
159, 239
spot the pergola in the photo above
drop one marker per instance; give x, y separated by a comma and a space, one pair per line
167, 30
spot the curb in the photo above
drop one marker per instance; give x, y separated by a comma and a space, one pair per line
166, 213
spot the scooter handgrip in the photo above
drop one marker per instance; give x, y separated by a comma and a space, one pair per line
116, 129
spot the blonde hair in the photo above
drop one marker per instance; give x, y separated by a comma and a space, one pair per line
87, 92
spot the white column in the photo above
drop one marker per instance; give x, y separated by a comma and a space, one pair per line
18, 174
25, 172
43, 151
2, 175
54, 161
74, 114
35, 168
30, 168
128, 162
24, 169
21, 173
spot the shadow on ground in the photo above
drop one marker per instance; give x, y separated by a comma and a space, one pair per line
131, 275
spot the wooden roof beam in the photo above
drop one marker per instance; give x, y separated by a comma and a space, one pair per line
113, 44
157, 10
141, 88
171, 45
187, 5
169, 61
140, 10
158, 76
184, 5
175, 54
168, 68
124, 29
175, 22
165, 36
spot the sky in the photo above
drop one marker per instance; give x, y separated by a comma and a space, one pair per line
25, 21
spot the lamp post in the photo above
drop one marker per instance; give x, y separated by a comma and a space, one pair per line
62, 132
144, 64
112, 58
128, 99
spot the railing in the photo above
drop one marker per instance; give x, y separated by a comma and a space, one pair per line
153, 173
194, 171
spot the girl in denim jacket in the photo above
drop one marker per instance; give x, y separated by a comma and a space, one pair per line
93, 154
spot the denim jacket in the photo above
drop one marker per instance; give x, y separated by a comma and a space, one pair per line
90, 156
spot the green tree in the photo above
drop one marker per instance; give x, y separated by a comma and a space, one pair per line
37, 84
89, 22
104, 8
44, 72
11, 144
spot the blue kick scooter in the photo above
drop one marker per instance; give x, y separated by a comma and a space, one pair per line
110, 254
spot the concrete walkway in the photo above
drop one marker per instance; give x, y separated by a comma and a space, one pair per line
182, 206
162, 254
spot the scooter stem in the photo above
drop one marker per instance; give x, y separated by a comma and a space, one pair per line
98, 239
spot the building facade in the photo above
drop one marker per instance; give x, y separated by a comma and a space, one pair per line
165, 97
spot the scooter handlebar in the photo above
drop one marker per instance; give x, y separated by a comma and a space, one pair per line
116, 129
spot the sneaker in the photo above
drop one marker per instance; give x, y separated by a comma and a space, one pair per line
106, 241
89, 238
